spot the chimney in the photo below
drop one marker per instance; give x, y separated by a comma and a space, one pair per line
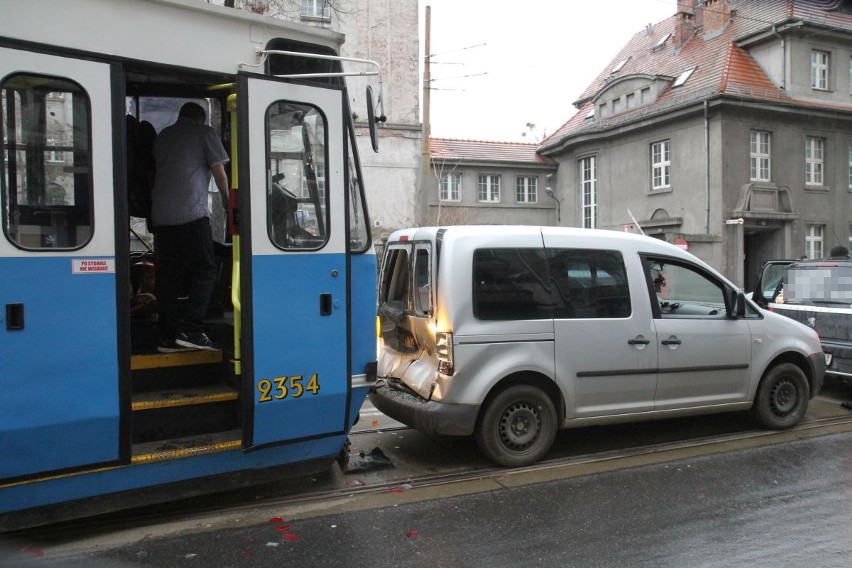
684, 22
717, 14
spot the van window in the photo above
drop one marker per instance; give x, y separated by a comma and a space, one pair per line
510, 284
589, 284
395, 277
47, 169
684, 291
422, 283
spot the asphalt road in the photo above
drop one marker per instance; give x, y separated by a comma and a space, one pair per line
708, 491
776, 506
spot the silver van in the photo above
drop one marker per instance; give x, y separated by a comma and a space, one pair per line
509, 333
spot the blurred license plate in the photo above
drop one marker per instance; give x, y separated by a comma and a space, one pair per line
828, 358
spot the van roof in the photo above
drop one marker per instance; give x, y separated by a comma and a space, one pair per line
428, 233
615, 239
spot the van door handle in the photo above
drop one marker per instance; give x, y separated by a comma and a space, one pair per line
671, 341
638, 341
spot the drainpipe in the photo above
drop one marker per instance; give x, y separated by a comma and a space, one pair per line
706, 169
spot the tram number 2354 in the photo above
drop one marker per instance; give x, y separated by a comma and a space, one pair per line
283, 387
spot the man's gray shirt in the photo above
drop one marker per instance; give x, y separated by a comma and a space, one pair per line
184, 153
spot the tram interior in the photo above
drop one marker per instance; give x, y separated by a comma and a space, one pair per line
186, 400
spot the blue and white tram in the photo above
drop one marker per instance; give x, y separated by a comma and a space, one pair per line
88, 407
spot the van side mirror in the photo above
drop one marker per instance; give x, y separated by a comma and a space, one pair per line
737, 305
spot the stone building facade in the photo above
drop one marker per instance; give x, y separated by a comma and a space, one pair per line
726, 128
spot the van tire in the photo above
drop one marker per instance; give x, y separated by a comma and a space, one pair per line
517, 427
782, 397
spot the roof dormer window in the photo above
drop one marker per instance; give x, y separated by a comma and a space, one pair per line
683, 77
662, 41
619, 65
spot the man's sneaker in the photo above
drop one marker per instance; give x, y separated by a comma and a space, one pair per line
195, 340
166, 346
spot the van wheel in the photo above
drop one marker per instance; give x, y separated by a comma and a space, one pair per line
517, 427
782, 397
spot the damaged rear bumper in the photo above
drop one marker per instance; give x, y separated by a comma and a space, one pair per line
446, 419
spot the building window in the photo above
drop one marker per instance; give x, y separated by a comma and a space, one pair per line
814, 155
630, 100
616, 106
819, 69
850, 75
814, 240
526, 190
660, 165
489, 188
760, 156
451, 187
315, 9
589, 187
849, 160
645, 95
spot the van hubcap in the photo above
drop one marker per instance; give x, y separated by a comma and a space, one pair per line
784, 397
519, 426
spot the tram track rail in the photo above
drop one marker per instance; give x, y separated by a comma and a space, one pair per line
399, 490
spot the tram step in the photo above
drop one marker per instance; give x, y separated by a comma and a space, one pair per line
181, 359
183, 397
177, 370
176, 413
188, 446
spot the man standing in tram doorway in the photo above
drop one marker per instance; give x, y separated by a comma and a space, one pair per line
186, 154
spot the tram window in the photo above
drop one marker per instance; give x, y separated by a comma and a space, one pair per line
359, 230
297, 199
46, 162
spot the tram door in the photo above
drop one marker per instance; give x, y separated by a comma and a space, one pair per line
294, 277
59, 407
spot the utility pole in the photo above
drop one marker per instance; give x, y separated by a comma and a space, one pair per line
427, 78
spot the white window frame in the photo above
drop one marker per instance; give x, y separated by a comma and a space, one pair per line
315, 9
850, 75
589, 191
820, 69
814, 161
760, 156
526, 189
451, 187
849, 160
814, 240
489, 188
661, 165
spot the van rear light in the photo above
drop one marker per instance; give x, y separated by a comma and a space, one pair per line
444, 349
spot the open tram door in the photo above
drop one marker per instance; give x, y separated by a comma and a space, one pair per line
294, 286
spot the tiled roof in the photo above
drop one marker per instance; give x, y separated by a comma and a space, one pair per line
721, 68
480, 151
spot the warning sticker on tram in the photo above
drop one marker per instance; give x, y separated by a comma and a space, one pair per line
92, 265
284, 387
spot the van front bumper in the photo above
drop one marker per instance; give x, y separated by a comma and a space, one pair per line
446, 419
